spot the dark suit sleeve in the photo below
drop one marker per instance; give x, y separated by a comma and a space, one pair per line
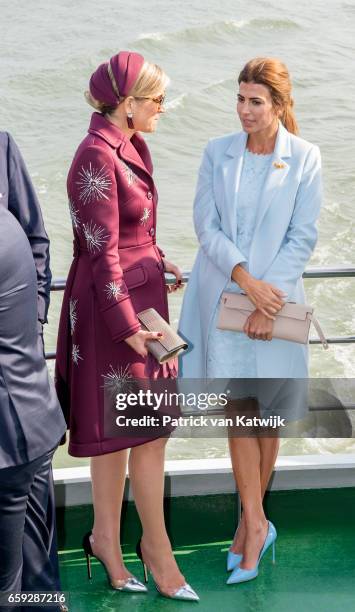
24, 205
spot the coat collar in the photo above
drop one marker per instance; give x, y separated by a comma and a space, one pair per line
277, 173
282, 145
133, 150
232, 169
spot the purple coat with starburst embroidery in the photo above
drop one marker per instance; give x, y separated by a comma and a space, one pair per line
117, 271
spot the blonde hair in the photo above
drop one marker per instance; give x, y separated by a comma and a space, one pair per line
274, 75
101, 107
150, 82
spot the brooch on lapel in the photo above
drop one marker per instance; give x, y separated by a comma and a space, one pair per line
279, 165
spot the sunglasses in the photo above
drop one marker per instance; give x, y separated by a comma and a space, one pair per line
160, 100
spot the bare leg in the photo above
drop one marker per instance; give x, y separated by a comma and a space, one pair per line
269, 448
108, 473
268, 454
146, 469
246, 461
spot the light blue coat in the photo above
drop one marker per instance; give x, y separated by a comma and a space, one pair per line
284, 238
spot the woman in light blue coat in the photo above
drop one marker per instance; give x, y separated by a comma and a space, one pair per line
257, 201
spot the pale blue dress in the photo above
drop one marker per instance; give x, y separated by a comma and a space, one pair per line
232, 354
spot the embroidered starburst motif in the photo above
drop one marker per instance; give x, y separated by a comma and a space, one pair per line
145, 216
73, 314
93, 183
117, 381
74, 213
129, 174
75, 354
113, 290
95, 236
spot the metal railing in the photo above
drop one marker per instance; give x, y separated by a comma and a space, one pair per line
337, 272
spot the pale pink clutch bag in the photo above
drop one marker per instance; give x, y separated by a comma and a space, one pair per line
170, 345
292, 322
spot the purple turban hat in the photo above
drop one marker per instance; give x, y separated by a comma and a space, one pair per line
125, 68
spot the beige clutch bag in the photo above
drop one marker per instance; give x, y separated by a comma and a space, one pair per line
292, 322
170, 345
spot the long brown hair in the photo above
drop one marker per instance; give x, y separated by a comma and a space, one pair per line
274, 75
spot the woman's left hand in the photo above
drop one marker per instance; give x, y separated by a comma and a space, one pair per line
173, 269
258, 326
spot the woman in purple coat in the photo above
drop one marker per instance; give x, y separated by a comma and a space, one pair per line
117, 271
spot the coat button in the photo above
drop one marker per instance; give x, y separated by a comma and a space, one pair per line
152, 231
149, 195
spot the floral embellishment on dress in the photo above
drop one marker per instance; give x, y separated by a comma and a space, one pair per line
279, 165
117, 381
73, 314
145, 216
93, 183
95, 236
113, 290
74, 213
129, 174
75, 354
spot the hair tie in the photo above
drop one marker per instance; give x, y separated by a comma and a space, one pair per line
113, 80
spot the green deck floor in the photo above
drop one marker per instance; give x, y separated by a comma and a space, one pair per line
315, 556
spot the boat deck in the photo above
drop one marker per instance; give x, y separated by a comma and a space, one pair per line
315, 556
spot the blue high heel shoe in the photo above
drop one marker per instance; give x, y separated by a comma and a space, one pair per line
243, 575
233, 559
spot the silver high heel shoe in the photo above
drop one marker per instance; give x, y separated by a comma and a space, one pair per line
185, 592
130, 585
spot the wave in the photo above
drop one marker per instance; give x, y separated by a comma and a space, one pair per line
194, 34
348, 7
213, 32
176, 102
221, 84
275, 24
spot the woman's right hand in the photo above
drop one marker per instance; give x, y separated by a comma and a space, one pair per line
137, 341
266, 297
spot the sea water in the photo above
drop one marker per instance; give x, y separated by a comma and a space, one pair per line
48, 51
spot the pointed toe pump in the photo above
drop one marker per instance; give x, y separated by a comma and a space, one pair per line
233, 559
185, 592
130, 585
243, 575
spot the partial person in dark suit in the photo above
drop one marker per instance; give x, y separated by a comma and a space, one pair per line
18, 195
31, 423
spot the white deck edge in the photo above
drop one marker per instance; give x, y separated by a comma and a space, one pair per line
214, 476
